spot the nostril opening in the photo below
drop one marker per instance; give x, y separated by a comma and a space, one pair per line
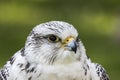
67, 40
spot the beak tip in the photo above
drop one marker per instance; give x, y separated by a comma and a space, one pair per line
72, 46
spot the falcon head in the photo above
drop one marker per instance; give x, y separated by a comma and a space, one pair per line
54, 42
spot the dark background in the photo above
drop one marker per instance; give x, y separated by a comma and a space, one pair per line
98, 23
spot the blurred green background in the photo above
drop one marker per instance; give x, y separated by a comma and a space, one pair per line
98, 23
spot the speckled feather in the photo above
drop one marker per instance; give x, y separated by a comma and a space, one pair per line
41, 59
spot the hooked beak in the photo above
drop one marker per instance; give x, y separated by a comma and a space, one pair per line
71, 44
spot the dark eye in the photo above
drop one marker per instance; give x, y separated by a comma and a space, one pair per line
53, 38
77, 39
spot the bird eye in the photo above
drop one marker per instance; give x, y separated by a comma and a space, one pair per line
77, 39
53, 38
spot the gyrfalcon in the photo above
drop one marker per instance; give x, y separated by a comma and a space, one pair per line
53, 51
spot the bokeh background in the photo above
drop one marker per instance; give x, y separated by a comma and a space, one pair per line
98, 23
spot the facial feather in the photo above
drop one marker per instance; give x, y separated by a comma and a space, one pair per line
45, 51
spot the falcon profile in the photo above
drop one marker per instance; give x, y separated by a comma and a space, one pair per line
52, 51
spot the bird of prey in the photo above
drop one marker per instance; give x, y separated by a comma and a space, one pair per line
52, 51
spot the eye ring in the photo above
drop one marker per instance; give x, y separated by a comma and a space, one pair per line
53, 38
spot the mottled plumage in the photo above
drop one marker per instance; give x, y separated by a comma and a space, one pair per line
52, 51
